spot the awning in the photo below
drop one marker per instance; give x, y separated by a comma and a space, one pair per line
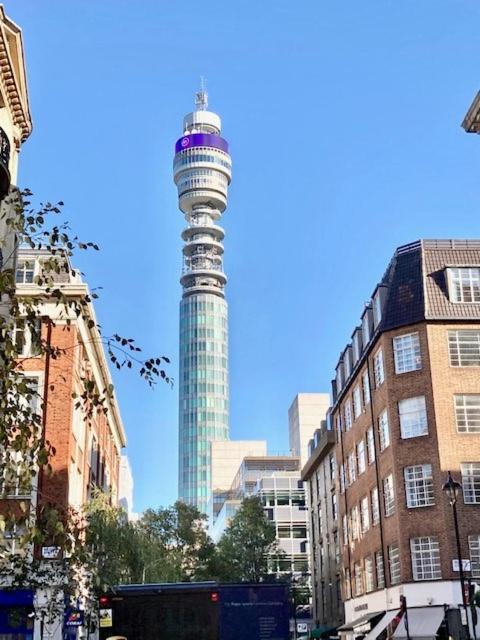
321, 630
423, 623
350, 626
381, 625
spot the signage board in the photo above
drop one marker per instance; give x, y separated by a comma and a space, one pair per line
466, 565
51, 553
74, 618
106, 618
302, 627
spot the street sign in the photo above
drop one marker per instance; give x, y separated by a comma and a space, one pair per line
74, 618
302, 627
466, 565
106, 618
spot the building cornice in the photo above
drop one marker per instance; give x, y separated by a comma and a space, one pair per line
14, 88
325, 444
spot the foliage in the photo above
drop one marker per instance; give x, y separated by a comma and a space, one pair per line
179, 549
244, 549
25, 453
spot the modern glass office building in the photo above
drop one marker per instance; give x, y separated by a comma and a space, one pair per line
202, 173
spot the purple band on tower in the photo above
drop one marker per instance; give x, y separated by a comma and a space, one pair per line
201, 140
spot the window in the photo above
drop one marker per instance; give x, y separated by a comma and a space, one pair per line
378, 368
27, 339
339, 378
464, 348
419, 485
361, 457
355, 523
348, 585
352, 467
425, 558
320, 521
375, 506
369, 584
357, 402
342, 478
383, 430
366, 387
388, 495
365, 329
471, 482
464, 284
413, 417
334, 506
333, 467
348, 415
380, 570
365, 514
15, 476
467, 410
345, 530
377, 309
394, 563
370, 446
406, 353
474, 547
25, 272
358, 579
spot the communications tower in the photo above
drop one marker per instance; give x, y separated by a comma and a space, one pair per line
202, 173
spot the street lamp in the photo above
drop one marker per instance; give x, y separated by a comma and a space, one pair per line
453, 490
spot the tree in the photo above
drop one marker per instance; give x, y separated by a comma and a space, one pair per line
245, 547
25, 454
178, 546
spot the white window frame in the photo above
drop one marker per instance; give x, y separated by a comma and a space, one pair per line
361, 464
370, 445
379, 368
471, 482
413, 418
368, 571
377, 309
474, 549
388, 496
425, 554
23, 269
356, 528
352, 467
419, 486
366, 387
394, 563
464, 347
365, 514
467, 412
383, 430
348, 415
375, 506
358, 578
406, 353
380, 570
464, 284
357, 402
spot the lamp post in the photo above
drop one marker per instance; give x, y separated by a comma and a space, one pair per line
453, 489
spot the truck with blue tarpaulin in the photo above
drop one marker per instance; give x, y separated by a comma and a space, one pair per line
195, 611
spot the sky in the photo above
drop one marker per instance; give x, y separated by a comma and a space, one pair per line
343, 120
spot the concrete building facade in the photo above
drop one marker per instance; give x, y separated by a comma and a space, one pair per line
304, 417
406, 411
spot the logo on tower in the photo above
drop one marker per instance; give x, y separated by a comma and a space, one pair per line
185, 142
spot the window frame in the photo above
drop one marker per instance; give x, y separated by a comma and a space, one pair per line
384, 430
388, 495
413, 430
454, 288
461, 413
419, 489
409, 357
455, 342
379, 368
426, 563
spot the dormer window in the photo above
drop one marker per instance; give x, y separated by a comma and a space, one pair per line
366, 327
25, 272
464, 284
377, 309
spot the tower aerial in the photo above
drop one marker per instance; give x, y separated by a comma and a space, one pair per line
202, 173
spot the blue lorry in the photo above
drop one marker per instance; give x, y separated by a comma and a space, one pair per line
195, 611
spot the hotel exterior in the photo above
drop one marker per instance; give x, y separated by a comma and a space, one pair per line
406, 411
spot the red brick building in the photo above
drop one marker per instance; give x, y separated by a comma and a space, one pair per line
406, 410
87, 452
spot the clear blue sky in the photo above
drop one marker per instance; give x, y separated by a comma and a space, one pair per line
344, 124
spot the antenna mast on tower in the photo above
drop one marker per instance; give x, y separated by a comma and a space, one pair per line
201, 97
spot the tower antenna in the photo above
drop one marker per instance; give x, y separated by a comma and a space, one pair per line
201, 97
